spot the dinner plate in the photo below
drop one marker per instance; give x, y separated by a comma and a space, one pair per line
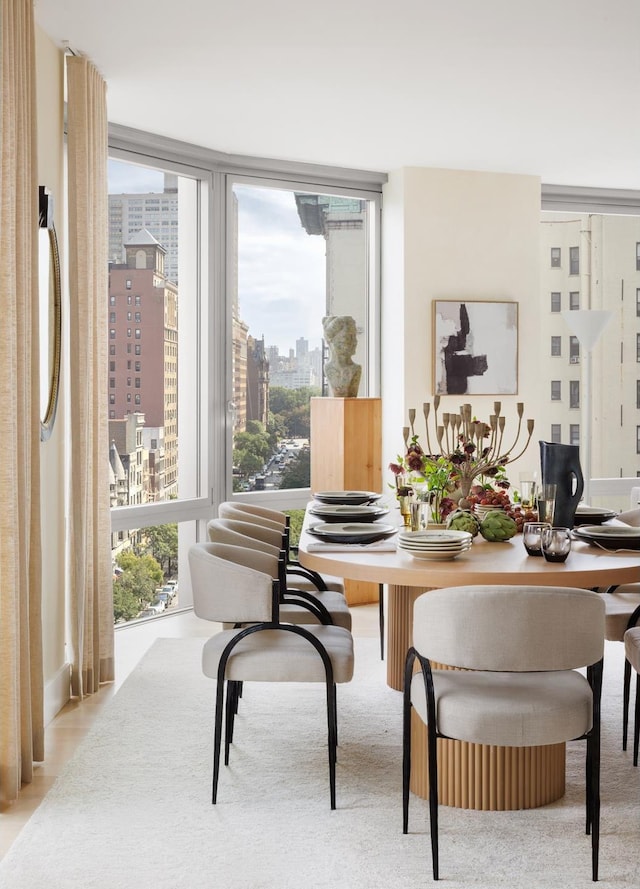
443, 548
347, 513
437, 556
434, 537
350, 498
592, 515
609, 536
351, 532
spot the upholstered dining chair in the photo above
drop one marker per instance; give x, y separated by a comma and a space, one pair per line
632, 659
305, 578
232, 585
518, 651
296, 605
622, 604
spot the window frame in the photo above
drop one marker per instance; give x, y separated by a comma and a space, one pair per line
215, 170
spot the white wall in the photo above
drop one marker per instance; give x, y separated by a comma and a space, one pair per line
451, 234
49, 87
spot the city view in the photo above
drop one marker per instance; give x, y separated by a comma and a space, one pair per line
296, 258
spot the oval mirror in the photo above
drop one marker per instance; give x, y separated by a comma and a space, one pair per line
50, 313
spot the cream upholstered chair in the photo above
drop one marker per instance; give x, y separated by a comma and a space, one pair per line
632, 660
518, 686
622, 605
304, 578
235, 585
296, 605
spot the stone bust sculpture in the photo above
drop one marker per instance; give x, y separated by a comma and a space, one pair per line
342, 372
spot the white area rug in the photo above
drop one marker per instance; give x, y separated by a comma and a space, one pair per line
133, 806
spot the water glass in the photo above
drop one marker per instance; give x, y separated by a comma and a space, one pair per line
546, 502
527, 494
420, 510
556, 544
532, 537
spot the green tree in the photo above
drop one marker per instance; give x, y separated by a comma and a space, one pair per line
135, 587
162, 543
298, 472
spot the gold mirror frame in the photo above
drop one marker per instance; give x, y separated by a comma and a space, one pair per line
51, 314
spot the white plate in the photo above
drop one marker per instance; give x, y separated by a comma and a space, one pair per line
436, 556
347, 512
440, 547
351, 498
351, 532
608, 531
434, 537
609, 536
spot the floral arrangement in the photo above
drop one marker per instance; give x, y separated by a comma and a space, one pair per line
471, 452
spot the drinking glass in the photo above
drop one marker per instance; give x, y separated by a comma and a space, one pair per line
556, 544
546, 502
527, 494
532, 537
419, 515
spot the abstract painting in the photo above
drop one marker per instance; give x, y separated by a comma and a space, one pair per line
475, 347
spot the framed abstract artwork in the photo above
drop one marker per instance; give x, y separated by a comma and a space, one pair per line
475, 347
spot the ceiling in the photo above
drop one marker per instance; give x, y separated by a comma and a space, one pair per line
549, 88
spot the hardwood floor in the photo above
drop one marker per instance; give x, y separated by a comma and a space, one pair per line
69, 727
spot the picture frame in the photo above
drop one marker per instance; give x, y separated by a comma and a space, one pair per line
475, 347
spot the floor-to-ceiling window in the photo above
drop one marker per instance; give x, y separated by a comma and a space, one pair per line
296, 255
220, 276
588, 250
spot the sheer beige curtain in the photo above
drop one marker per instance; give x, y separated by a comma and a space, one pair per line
89, 535
21, 684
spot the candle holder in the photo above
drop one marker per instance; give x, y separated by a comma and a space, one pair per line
474, 449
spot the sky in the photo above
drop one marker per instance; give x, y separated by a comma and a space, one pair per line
281, 269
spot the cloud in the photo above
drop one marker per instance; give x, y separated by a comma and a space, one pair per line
281, 269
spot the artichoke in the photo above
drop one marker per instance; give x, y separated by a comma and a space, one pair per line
464, 520
496, 526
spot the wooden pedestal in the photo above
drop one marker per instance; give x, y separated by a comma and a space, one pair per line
346, 455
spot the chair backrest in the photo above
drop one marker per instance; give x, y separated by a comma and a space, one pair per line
273, 537
510, 628
238, 534
248, 512
232, 584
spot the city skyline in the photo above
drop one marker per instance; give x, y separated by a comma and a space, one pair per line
281, 269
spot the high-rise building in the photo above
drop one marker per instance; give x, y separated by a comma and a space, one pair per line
157, 212
143, 346
592, 261
257, 382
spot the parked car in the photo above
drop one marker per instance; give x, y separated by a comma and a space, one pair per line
164, 596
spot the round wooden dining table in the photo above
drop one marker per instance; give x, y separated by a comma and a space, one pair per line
473, 775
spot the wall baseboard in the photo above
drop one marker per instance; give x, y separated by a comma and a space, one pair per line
57, 693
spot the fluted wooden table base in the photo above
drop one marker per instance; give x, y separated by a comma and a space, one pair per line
476, 776
470, 776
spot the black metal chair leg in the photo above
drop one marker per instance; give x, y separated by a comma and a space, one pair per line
636, 722
625, 702
381, 618
231, 710
406, 765
595, 806
332, 740
433, 800
217, 739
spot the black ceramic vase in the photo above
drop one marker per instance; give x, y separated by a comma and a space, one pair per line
560, 465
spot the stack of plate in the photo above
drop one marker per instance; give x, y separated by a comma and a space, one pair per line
347, 513
609, 536
481, 511
592, 515
348, 498
434, 544
351, 532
